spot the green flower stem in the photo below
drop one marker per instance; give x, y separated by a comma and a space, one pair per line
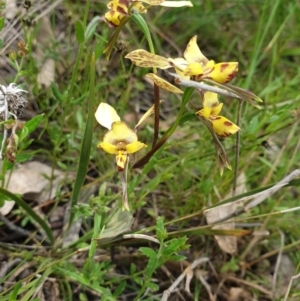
139, 20
80, 53
186, 96
237, 148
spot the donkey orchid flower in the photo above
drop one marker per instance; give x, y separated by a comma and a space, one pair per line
211, 109
118, 9
120, 140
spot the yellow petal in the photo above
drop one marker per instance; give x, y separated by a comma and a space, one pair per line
140, 7
210, 99
107, 147
224, 72
134, 147
216, 109
118, 10
106, 115
205, 112
113, 18
222, 126
120, 132
193, 54
193, 69
164, 84
143, 58
121, 158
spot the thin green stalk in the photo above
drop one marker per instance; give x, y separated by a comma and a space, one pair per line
237, 147
80, 52
139, 20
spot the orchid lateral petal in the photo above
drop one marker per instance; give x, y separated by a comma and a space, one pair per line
134, 147
107, 147
224, 72
143, 58
164, 84
146, 115
222, 126
193, 53
120, 132
106, 115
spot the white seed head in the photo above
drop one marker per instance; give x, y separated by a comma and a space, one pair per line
14, 98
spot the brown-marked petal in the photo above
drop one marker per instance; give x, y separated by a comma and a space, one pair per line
143, 58
164, 84
224, 72
222, 126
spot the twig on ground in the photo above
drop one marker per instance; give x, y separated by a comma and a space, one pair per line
195, 263
141, 236
277, 266
250, 284
290, 286
212, 297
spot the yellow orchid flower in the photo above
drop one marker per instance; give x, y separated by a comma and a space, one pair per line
120, 140
222, 126
118, 9
194, 64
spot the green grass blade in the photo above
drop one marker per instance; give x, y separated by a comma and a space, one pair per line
86, 145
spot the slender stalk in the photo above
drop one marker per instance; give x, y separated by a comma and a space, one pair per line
139, 20
80, 53
237, 147
156, 114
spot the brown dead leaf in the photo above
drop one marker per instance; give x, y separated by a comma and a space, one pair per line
34, 180
227, 243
